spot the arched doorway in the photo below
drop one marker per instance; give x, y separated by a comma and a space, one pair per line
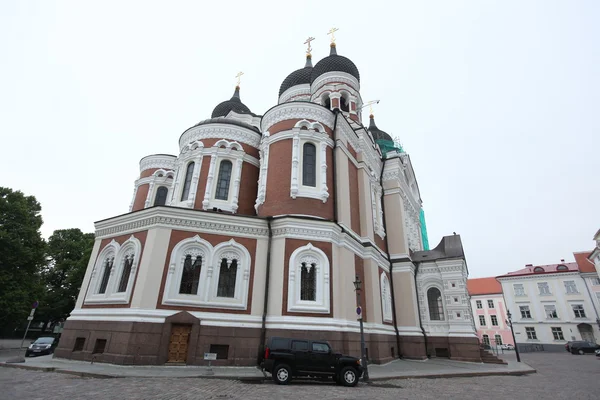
586, 332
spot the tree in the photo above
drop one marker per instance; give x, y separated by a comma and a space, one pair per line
68, 253
22, 251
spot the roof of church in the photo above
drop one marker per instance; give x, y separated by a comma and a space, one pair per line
221, 120
583, 262
377, 133
298, 77
334, 62
449, 247
483, 286
233, 104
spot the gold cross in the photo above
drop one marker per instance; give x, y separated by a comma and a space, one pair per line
309, 49
332, 32
239, 76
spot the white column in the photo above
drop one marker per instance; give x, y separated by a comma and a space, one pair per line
149, 196
209, 179
324, 189
295, 161
236, 183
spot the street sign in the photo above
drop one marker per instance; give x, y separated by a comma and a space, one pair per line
35, 304
358, 310
210, 356
30, 318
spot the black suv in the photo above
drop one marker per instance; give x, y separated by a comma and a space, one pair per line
285, 358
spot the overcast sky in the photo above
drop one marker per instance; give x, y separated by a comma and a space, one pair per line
497, 103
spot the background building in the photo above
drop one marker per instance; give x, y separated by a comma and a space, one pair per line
489, 311
552, 304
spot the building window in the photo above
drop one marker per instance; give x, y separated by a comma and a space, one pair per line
486, 340
108, 264
571, 287
525, 313
538, 270
490, 303
191, 275
595, 281
562, 268
519, 289
479, 305
557, 333
188, 182
436, 307
127, 263
161, 196
550, 310
494, 320
227, 276
579, 311
222, 350
99, 346
308, 281
544, 288
79, 344
530, 333
223, 180
498, 340
309, 167
482, 320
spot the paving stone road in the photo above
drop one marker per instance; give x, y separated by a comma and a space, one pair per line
560, 376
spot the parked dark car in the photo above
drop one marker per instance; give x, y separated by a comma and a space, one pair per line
41, 346
583, 347
285, 358
568, 344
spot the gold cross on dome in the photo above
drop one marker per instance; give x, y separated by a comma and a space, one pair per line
239, 76
332, 32
309, 49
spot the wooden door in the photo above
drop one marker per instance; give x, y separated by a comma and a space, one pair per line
178, 345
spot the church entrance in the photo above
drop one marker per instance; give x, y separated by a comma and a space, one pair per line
178, 344
587, 333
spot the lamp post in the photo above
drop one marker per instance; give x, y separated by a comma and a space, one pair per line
509, 323
357, 286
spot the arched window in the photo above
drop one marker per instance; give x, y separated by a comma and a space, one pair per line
344, 104
191, 275
128, 262
161, 196
108, 264
223, 180
308, 282
326, 101
436, 307
538, 269
227, 277
309, 167
188, 182
486, 340
562, 268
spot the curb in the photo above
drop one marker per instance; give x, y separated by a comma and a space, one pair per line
457, 375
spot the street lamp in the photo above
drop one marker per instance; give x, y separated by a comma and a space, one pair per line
509, 323
357, 285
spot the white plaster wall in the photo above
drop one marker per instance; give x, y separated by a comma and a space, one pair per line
88, 273
260, 276
278, 262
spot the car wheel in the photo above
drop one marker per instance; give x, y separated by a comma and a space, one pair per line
581, 352
349, 376
282, 374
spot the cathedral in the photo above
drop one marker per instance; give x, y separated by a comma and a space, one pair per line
259, 227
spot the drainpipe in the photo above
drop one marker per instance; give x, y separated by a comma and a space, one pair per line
263, 331
417, 264
389, 258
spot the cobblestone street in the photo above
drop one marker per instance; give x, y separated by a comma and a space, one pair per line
560, 376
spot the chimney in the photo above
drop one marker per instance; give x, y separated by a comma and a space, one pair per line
529, 265
562, 260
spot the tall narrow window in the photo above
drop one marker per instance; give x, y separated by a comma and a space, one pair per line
309, 167
436, 307
191, 275
227, 276
486, 340
188, 182
478, 303
125, 275
223, 180
498, 340
344, 104
308, 282
161, 196
494, 320
482, 320
579, 311
108, 264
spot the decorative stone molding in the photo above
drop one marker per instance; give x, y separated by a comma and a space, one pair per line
220, 131
297, 92
312, 256
262, 174
297, 110
336, 77
316, 135
386, 298
377, 209
164, 161
233, 152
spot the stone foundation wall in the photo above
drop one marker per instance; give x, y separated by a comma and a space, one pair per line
455, 348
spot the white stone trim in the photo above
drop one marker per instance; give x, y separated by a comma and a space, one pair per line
309, 254
218, 130
234, 153
386, 298
301, 91
336, 77
316, 135
209, 274
377, 207
263, 172
165, 161
297, 110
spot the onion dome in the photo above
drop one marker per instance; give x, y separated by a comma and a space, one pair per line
234, 104
298, 77
377, 133
334, 63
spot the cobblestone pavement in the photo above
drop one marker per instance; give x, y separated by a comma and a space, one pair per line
560, 376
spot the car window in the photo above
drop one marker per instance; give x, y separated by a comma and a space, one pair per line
277, 344
44, 340
300, 345
320, 347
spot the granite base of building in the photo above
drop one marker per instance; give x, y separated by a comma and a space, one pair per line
145, 343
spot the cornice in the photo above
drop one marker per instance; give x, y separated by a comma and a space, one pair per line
297, 110
158, 161
220, 131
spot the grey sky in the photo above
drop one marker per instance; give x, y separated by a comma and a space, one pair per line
496, 102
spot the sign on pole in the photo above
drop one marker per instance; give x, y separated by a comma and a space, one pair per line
210, 356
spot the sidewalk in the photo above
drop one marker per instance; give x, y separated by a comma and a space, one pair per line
6, 344
398, 369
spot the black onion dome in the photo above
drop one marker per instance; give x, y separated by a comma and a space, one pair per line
298, 77
334, 63
233, 104
377, 133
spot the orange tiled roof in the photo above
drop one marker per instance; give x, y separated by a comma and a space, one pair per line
585, 265
483, 286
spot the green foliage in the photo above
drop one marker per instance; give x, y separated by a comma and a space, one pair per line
22, 250
68, 253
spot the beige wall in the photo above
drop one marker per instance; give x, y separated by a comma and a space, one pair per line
343, 187
260, 276
394, 217
366, 213
372, 288
276, 280
405, 298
